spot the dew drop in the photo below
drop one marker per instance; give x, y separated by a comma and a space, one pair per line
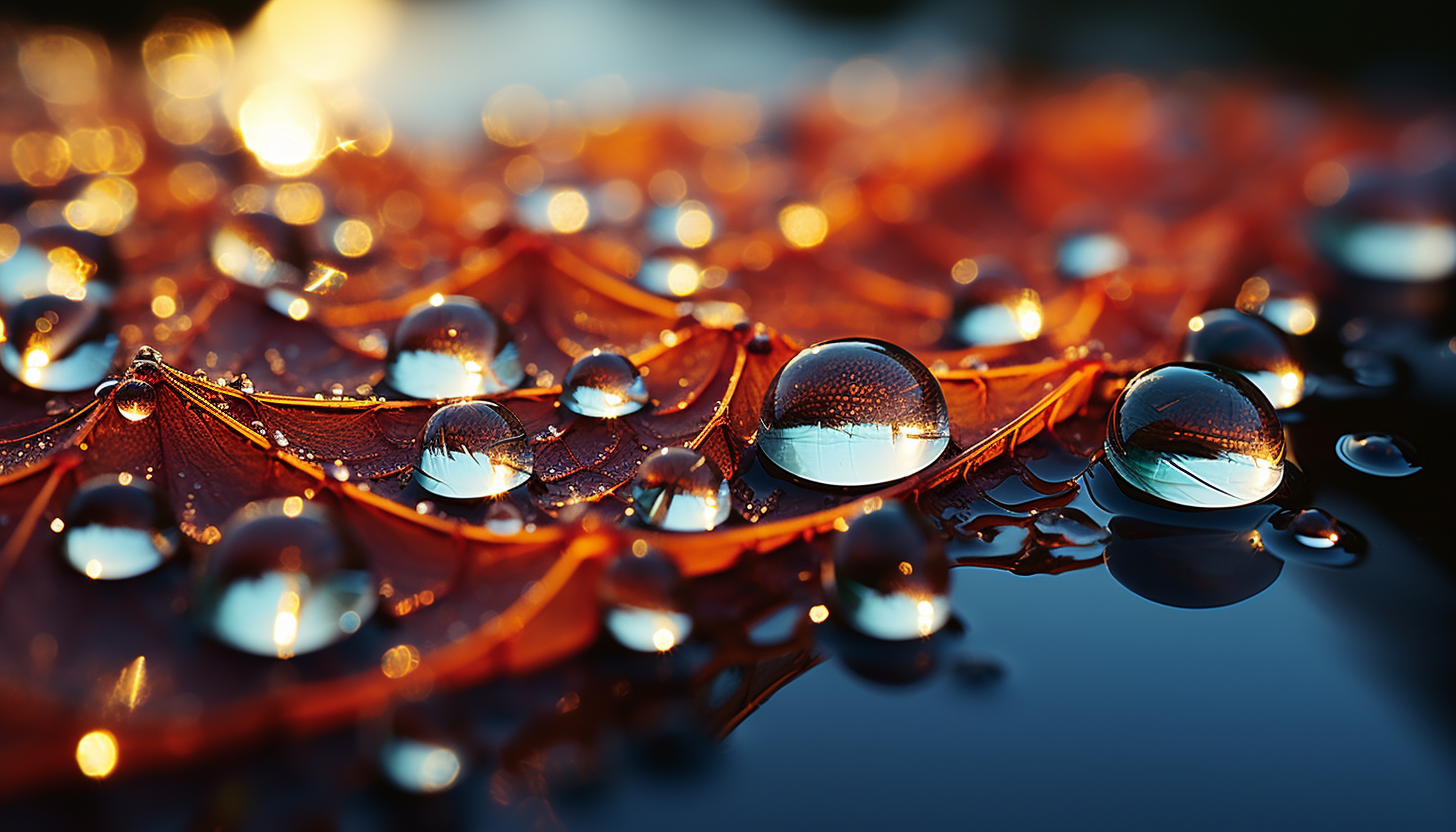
603, 385
1082, 256
135, 399
889, 577
58, 344
473, 449
1378, 454
643, 599
58, 260
993, 311
1400, 251
105, 387
1250, 346
420, 767
1276, 297
680, 490
1311, 535
1196, 435
257, 250
853, 412
282, 581
117, 527
452, 348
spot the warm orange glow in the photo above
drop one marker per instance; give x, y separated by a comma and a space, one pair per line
96, 754
283, 125
664, 640
131, 686
62, 69
818, 613
517, 115
299, 203
327, 40
104, 207
164, 306
1195, 324
567, 211
694, 228
298, 309
400, 661
803, 225
41, 159
188, 58
1326, 183
864, 92
353, 238
964, 271
292, 506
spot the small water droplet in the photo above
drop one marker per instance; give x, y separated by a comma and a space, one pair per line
279, 439
148, 353
1250, 346
889, 577
680, 490
117, 527
1069, 527
1197, 435
58, 344
643, 600
504, 519
603, 385
451, 349
105, 387
473, 449
282, 581
1081, 256
419, 767
853, 412
336, 390
1378, 454
245, 385
135, 399
1311, 535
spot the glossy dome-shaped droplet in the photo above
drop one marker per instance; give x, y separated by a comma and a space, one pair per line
1378, 454
1311, 535
284, 581
642, 595
451, 347
135, 399
117, 527
1197, 435
853, 412
995, 309
1082, 256
473, 449
889, 577
1251, 346
603, 385
680, 490
58, 344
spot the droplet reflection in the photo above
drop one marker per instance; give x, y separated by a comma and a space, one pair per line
889, 577
604, 385
116, 528
680, 490
473, 449
452, 347
1377, 454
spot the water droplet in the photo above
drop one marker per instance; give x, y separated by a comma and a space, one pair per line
680, 490
1082, 256
105, 387
57, 344
889, 577
643, 599
1279, 299
473, 449
603, 385
1378, 454
1196, 435
257, 250
58, 260
1068, 527
451, 348
1251, 346
670, 276
419, 767
1395, 250
995, 310
117, 527
147, 353
1311, 535
853, 412
1190, 568
135, 399
282, 581
245, 385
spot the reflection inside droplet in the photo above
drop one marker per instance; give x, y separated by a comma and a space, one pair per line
680, 490
604, 385
853, 412
643, 599
450, 349
117, 527
473, 449
889, 577
58, 344
1378, 454
135, 399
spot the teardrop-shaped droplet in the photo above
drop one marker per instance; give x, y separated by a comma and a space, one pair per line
1197, 435
680, 490
451, 347
284, 581
1279, 299
1251, 346
604, 385
473, 449
1378, 454
1081, 256
853, 412
889, 577
117, 527
57, 344
135, 399
1311, 535
642, 595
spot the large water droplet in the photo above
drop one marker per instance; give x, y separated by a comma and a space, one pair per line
1251, 346
58, 344
284, 581
680, 490
473, 449
604, 385
116, 527
1089, 255
1196, 435
135, 399
853, 412
1311, 535
889, 577
452, 347
1379, 454
643, 598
